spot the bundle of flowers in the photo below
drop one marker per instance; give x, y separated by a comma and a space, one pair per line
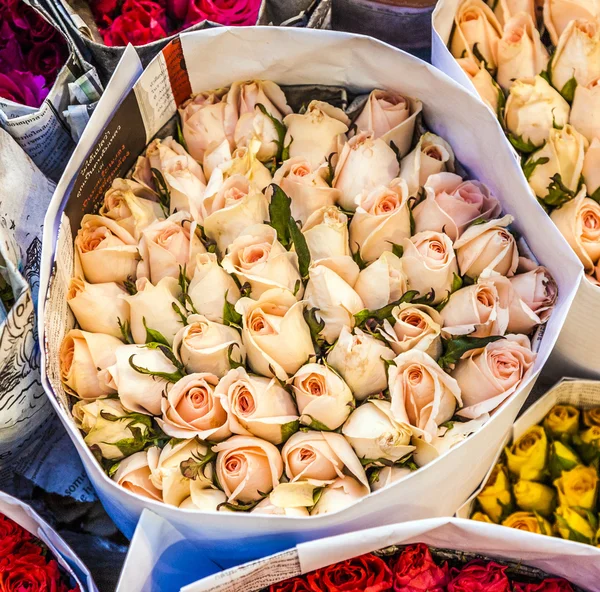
143, 21
281, 312
32, 52
547, 480
541, 75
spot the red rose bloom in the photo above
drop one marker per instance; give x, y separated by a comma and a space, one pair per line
140, 22
367, 573
31, 573
291, 585
45, 59
416, 571
480, 576
11, 536
548, 585
23, 88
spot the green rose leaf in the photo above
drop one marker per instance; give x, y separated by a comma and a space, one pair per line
454, 349
280, 213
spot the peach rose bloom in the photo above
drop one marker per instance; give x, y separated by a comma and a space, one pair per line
537, 289
133, 474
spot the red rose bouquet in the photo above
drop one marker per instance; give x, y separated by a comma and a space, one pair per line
32, 52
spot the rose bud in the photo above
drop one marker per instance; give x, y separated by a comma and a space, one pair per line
430, 264
578, 488
573, 526
451, 205
486, 248
211, 285
244, 161
233, 206
203, 497
476, 25
416, 570
537, 289
559, 13
382, 219
585, 111
591, 167
364, 163
256, 257
108, 253
320, 457
382, 282
528, 456
529, 522
521, 53
495, 498
564, 151
375, 435
205, 120
385, 476
432, 155
98, 308
267, 508
481, 517
533, 108
591, 417
306, 187
340, 494
247, 468
534, 497
275, 334
591, 437
314, 135
326, 234
579, 222
167, 246
562, 458
141, 392
257, 406
390, 116
577, 54
487, 377
322, 396
562, 419
423, 395
133, 474
485, 85
416, 326
84, 361
359, 358
330, 291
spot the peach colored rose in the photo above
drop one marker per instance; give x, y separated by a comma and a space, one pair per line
326, 234
559, 13
484, 83
340, 494
585, 111
591, 167
133, 474
537, 289
382, 282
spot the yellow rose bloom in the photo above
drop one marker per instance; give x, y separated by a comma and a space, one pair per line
562, 458
481, 517
528, 521
527, 457
562, 419
589, 443
495, 498
591, 435
591, 417
572, 526
534, 497
577, 488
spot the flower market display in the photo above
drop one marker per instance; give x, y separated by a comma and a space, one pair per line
280, 312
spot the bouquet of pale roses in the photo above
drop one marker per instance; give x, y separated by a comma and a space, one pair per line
282, 311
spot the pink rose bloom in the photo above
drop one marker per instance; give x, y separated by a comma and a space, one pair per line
23, 88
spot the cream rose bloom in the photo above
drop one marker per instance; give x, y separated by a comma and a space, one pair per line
382, 219
484, 83
320, 457
382, 282
245, 162
521, 53
423, 395
364, 163
487, 248
391, 117
537, 289
133, 474
322, 396
326, 234
579, 222
230, 207
84, 361
504, 9
564, 151
388, 475
585, 111
203, 497
98, 307
315, 134
247, 468
451, 205
256, 257
330, 291
415, 326
429, 263
375, 434
107, 252
275, 334
559, 13
431, 155
359, 358
340, 494
476, 25
268, 508
591, 167
140, 392
257, 406
533, 108
487, 377
211, 285
306, 186
192, 409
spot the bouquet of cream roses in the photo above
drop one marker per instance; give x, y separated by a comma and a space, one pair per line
541, 74
283, 311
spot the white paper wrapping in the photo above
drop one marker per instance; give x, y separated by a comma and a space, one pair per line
320, 57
